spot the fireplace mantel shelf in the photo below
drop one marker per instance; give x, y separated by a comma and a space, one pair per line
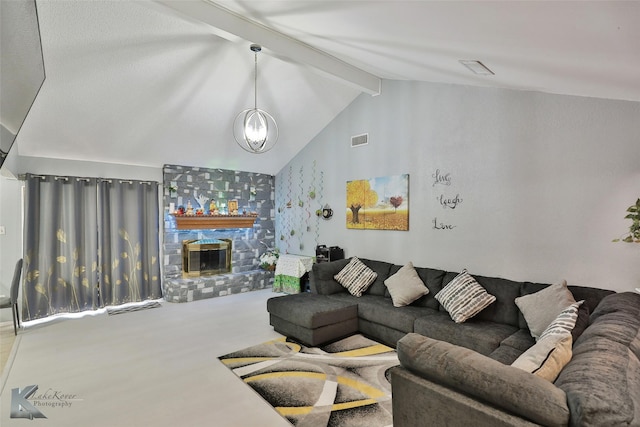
191, 222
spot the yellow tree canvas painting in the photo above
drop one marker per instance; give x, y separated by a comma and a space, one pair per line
378, 203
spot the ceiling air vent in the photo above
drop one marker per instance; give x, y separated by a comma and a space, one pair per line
359, 140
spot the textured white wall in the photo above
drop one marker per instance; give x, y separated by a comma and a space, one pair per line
544, 180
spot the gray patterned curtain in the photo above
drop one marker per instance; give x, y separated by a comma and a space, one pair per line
128, 233
89, 243
60, 242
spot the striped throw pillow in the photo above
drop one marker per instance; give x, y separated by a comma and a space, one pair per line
463, 297
564, 323
356, 277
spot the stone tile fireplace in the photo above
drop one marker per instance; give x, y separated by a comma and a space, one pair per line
247, 240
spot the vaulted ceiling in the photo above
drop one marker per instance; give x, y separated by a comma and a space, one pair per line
155, 82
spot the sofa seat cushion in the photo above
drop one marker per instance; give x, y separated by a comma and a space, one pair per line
381, 310
311, 310
520, 340
487, 380
602, 380
513, 346
479, 335
505, 354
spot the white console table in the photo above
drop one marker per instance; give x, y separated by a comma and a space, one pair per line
289, 270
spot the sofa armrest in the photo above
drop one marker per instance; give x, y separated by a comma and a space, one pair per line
466, 371
418, 402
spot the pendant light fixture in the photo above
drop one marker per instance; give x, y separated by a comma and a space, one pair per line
254, 129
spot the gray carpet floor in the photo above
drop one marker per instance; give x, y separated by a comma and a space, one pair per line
151, 367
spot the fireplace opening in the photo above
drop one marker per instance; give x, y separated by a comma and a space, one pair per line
206, 257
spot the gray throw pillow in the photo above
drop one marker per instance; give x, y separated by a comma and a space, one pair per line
541, 308
405, 286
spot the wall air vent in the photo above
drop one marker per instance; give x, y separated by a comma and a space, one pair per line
359, 140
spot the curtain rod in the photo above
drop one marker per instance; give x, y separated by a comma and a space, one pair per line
23, 177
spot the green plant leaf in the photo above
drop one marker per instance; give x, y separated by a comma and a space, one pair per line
628, 239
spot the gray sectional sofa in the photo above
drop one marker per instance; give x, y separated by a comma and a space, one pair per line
459, 374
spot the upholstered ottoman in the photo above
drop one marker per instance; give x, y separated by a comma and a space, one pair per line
312, 319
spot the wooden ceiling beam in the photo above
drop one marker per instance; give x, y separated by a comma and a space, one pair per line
232, 26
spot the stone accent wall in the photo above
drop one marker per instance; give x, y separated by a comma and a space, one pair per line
254, 193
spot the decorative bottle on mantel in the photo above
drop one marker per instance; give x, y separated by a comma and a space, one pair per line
212, 208
189, 208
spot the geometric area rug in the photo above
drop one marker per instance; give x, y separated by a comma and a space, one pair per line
342, 384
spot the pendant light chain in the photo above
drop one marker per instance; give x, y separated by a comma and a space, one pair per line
255, 80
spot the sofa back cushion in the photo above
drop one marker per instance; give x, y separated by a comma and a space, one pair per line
382, 269
321, 279
602, 380
433, 280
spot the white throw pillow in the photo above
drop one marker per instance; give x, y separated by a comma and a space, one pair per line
405, 286
541, 308
356, 277
463, 297
547, 357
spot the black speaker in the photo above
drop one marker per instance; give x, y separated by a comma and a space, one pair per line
326, 254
